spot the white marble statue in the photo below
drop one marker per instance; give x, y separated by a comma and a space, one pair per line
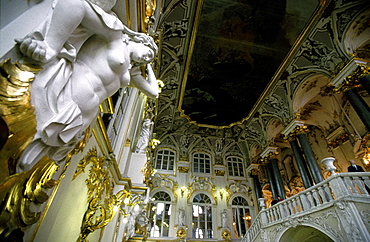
224, 218
182, 218
144, 136
87, 54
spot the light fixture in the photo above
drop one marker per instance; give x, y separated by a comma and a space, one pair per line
366, 156
136, 208
115, 208
124, 220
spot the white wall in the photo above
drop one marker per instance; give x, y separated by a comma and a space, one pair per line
18, 19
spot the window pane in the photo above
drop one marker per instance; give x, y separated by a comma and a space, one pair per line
241, 216
165, 160
160, 215
235, 166
201, 163
202, 217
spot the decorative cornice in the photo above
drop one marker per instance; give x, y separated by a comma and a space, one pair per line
335, 134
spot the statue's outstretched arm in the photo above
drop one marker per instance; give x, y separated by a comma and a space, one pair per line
66, 17
150, 86
63, 22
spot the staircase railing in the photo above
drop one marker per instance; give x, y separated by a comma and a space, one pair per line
311, 200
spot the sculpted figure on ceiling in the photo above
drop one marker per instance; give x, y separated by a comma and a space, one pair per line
87, 54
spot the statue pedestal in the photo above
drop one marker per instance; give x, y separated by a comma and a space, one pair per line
139, 160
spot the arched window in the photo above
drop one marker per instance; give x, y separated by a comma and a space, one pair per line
202, 217
160, 215
165, 160
201, 163
241, 216
235, 166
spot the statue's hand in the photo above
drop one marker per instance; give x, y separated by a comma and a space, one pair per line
38, 50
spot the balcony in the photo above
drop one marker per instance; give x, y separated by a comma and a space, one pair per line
337, 209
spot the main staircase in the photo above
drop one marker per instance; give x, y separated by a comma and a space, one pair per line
336, 209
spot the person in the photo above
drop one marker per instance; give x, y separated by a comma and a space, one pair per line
354, 168
86, 54
275, 201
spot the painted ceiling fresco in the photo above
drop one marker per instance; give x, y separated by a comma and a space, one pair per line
239, 46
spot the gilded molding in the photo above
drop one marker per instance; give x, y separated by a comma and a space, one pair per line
226, 235
100, 201
19, 191
100, 198
338, 140
220, 172
219, 169
83, 163
16, 111
183, 169
181, 233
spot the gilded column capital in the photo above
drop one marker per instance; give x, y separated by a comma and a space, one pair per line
254, 172
349, 77
301, 129
292, 125
298, 130
253, 169
269, 153
291, 137
293, 129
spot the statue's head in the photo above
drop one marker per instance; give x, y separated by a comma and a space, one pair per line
145, 40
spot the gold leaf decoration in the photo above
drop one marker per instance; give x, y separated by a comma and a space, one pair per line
22, 189
19, 191
102, 203
226, 235
99, 197
16, 111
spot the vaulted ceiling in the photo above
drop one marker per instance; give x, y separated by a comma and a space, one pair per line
232, 68
238, 48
